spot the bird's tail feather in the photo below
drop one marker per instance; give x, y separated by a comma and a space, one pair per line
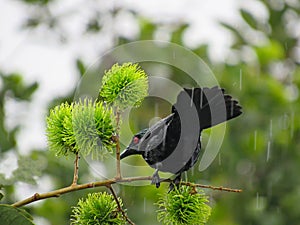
212, 104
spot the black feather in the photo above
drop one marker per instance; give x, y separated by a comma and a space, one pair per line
173, 143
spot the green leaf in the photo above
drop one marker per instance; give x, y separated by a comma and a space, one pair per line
1, 195
28, 91
15, 83
10, 215
80, 67
4, 181
147, 29
239, 38
178, 33
25, 213
94, 26
248, 17
8, 138
37, 2
272, 52
28, 169
32, 22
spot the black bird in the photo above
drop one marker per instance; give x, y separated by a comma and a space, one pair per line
173, 144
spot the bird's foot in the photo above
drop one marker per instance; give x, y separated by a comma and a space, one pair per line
175, 182
156, 179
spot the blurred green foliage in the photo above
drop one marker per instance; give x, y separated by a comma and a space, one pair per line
12, 87
11, 215
260, 152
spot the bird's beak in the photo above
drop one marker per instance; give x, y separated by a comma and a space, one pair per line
127, 152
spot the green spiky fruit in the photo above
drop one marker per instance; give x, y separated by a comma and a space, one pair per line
96, 209
94, 127
86, 127
60, 134
124, 86
184, 206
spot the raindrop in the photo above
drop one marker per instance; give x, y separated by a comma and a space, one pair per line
154, 120
260, 202
292, 92
186, 176
271, 129
285, 122
270, 188
210, 199
257, 200
145, 205
192, 98
245, 167
278, 210
193, 170
156, 109
241, 75
255, 136
268, 150
174, 55
220, 161
292, 124
201, 99
286, 45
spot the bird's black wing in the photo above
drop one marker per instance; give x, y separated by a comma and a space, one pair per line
212, 104
183, 136
173, 144
196, 109
154, 140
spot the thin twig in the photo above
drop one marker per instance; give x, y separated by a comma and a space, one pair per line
205, 186
76, 167
118, 175
119, 205
212, 187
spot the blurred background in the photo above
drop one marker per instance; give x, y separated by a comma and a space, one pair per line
252, 47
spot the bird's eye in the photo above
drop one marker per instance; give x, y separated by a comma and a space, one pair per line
136, 140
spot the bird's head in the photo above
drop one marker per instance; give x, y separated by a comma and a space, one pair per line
133, 147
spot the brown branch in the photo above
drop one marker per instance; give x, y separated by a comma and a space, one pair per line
119, 205
76, 167
107, 183
59, 192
